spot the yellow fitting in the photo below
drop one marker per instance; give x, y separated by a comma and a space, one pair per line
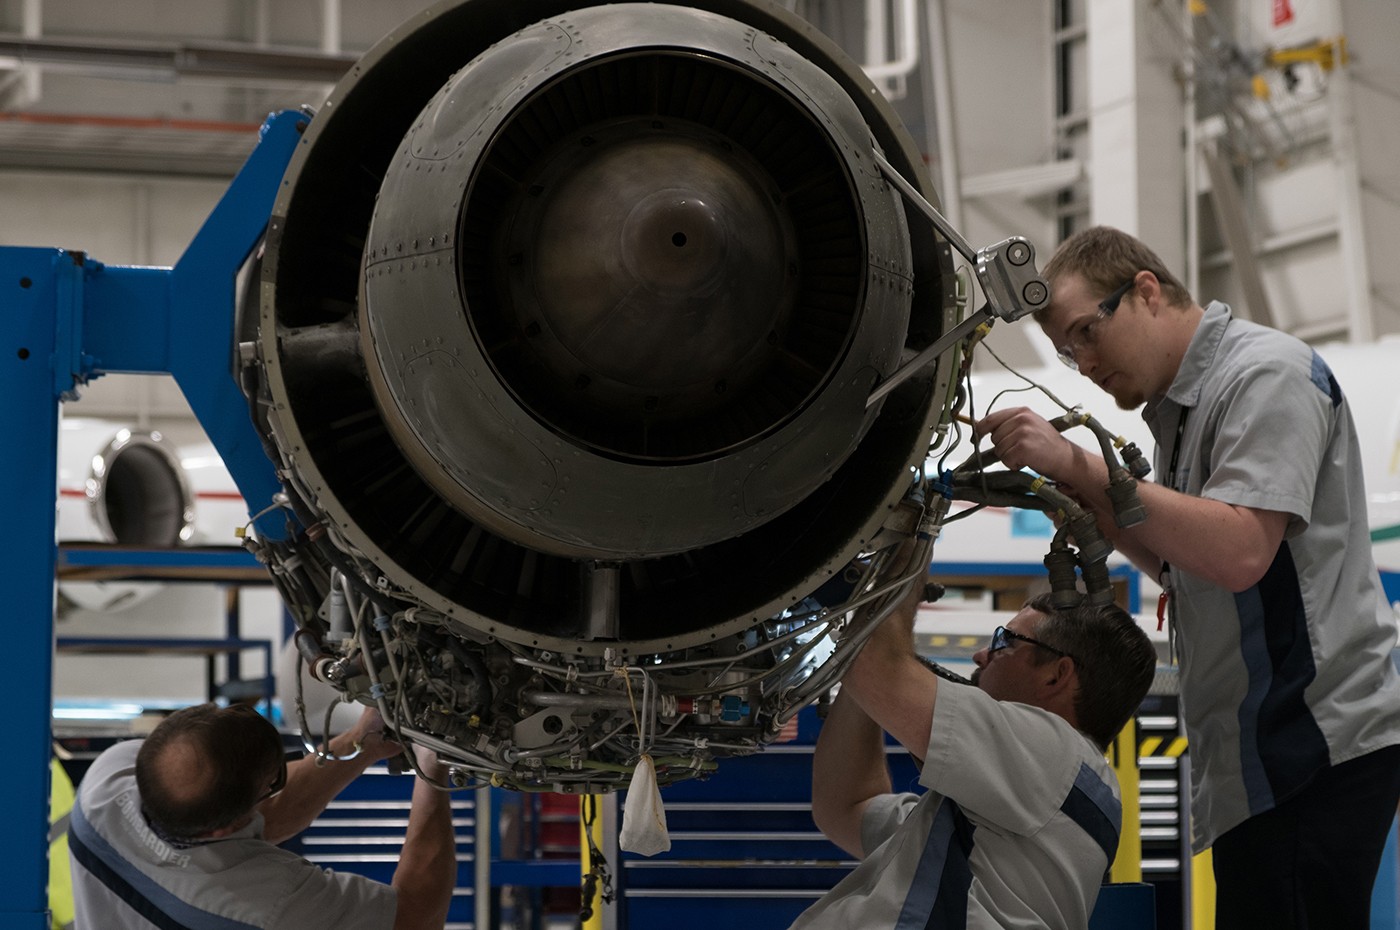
1037, 484
976, 336
1325, 53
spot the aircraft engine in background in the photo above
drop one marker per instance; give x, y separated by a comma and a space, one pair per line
121, 484
130, 486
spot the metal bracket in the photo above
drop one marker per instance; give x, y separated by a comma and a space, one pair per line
1012, 285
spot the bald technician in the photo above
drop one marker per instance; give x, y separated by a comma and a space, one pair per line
178, 830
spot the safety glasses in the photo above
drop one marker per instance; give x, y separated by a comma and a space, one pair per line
1002, 638
1087, 336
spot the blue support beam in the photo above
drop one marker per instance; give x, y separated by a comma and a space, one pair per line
180, 320
162, 564
29, 293
65, 319
202, 360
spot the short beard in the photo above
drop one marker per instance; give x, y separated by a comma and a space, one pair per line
1129, 402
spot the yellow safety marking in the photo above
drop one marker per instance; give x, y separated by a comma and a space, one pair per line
587, 831
1202, 892
1162, 746
1127, 864
942, 639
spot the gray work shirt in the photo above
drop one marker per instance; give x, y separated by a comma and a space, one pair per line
1018, 826
127, 878
1294, 674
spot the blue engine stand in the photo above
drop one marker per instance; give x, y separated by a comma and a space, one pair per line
66, 319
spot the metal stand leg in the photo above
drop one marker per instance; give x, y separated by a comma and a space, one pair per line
65, 319
29, 282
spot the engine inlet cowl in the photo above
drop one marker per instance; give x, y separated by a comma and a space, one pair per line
569, 319
609, 318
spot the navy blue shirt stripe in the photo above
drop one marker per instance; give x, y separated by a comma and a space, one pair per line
1282, 746
937, 899
1326, 382
1091, 805
950, 908
119, 886
97, 856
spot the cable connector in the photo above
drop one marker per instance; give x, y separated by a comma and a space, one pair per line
1092, 545
1060, 563
1098, 587
1135, 461
1122, 494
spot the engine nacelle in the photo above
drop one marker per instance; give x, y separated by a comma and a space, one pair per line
567, 328
122, 485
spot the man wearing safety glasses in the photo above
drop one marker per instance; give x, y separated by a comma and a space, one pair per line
177, 830
1256, 526
1022, 815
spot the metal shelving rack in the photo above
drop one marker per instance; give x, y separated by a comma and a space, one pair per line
226, 566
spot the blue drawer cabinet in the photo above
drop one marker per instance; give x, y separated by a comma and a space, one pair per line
362, 831
744, 849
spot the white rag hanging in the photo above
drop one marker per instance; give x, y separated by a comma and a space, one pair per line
643, 816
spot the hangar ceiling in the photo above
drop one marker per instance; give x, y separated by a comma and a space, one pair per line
179, 87
168, 87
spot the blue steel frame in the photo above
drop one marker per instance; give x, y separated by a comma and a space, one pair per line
66, 319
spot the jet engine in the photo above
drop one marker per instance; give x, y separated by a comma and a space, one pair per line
569, 323
132, 482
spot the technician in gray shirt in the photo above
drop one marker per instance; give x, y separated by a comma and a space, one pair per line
177, 830
1022, 814
1257, 528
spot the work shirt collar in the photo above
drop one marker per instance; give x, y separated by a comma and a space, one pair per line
1185, 390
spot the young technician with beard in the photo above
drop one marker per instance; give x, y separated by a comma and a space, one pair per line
1021, 818
1256, 526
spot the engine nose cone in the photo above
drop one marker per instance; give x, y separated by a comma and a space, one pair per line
654, 280
674, 244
